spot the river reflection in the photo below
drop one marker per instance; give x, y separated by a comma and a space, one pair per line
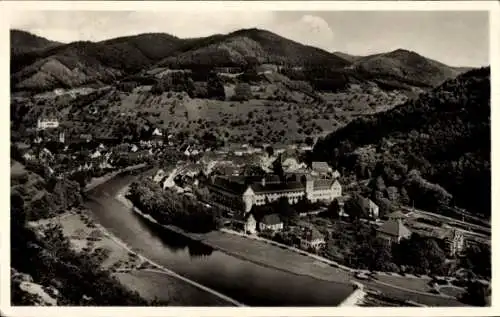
177, 242
244, 281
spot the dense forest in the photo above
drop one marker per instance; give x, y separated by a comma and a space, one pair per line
435, 150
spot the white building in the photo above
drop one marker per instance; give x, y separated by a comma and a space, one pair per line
271, 222
159, 176
157, 132
47, 123
373, 209
242, 193
96, 154
311, 239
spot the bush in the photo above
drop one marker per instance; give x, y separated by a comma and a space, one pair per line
242, 92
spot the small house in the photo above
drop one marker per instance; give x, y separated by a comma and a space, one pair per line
271, 222
335, 174
396, 215
311, 238
47, 123
339, 204
453, 242
247, 222
321, 168
393, 231
29, 156
266, 69
157, 132
159, 176
95, 154
372, 208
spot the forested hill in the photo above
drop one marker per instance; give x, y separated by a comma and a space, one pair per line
22, 42
428, 149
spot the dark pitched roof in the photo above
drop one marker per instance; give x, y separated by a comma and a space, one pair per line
277, 187
395, 228
320, 166
243, 217
396, 215
323, 183
272, 219
269, 179
229, 185
452, 234
238, 184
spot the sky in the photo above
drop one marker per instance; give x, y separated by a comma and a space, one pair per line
458, 38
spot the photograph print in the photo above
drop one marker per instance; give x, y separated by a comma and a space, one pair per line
250, 158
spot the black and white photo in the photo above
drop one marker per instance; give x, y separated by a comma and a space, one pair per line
246, 157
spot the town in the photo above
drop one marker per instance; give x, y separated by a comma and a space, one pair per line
268, 194
261, 164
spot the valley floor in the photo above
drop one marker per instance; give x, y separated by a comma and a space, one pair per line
132, 270
263, 253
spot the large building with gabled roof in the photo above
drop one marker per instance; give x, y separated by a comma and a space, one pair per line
241, 193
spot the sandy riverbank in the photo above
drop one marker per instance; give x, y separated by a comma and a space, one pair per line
131, 269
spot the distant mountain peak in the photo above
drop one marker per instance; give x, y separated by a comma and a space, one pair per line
406, 65
403, 52
23, 41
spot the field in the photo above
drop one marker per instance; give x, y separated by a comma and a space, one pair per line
275, 114
417, 284
153, 284
266, 254
423, 298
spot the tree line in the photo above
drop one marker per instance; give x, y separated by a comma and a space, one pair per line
436, 148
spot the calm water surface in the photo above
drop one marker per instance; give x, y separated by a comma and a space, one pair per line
244, 281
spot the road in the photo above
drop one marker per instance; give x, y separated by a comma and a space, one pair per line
401, 292
446, 219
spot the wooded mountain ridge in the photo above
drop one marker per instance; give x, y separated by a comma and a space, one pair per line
41, 64
436, 148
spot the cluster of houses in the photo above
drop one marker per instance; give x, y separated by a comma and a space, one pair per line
237, 195
82, 152
392, 231
306, 237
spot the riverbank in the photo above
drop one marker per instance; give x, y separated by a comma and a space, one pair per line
255, 251
97, 181
150, 280
280, 257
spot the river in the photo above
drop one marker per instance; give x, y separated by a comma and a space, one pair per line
243, 281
